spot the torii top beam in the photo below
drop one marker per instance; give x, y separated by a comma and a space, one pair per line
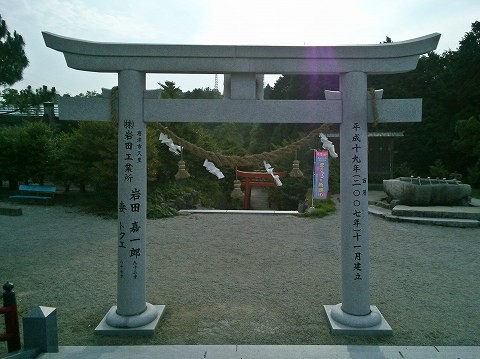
383, 58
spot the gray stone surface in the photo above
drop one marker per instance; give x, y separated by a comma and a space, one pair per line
355, 255
382, 328
266, 352
395, 57
4, 211
40, 329
457, 212
412, 194
148, 329
239, 211
429, 218
132, 202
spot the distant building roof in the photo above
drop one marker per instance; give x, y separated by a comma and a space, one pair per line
32, 111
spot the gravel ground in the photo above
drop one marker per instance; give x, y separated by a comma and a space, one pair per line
244, 279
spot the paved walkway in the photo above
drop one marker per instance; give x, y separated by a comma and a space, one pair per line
265, 352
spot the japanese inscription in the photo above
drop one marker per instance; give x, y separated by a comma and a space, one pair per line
131, 231
359, 195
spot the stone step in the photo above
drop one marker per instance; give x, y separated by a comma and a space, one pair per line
382, 204
437, 212
448, 222
4, 211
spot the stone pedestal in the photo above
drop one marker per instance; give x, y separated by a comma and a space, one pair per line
133, 325
373, 324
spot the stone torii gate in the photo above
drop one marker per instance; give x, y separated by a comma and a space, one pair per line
244, 67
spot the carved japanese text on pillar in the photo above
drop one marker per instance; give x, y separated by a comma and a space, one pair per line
359, 195
130, 232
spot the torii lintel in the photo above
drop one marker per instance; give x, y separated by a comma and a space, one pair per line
155, 58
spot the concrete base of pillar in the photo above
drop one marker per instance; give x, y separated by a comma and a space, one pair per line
148, 329
357, 328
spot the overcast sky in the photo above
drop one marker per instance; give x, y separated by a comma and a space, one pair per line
220, 22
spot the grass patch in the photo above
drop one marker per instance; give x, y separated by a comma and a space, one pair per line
320, 207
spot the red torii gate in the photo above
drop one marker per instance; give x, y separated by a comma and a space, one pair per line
256, 179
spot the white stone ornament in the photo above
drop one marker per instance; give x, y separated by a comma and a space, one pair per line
328, 145
210, 166
269, 169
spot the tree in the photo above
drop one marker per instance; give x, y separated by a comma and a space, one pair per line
450, 87
431, 139
230, 138
25, 99
201, 93
12, 56
468, 143
89, 155
268, 136
170, 90
464, 75
26, 152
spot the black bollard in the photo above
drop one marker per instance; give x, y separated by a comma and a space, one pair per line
9, 309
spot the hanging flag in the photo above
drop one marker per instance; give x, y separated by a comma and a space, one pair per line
320, 174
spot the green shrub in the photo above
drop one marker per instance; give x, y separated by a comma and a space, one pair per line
162, 200
438, 170
291, 192
322, 208
473, 175
403, 170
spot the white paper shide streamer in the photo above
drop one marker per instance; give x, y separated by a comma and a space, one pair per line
210, 166
328, 145
169, 142
269, 169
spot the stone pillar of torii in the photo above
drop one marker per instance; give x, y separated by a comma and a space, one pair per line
244, 67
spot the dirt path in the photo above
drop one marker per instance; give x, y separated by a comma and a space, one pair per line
244, 279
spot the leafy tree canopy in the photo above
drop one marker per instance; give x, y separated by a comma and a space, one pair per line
26, 98
26, 152
203, 93
449, 85
170, 90
12, 56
